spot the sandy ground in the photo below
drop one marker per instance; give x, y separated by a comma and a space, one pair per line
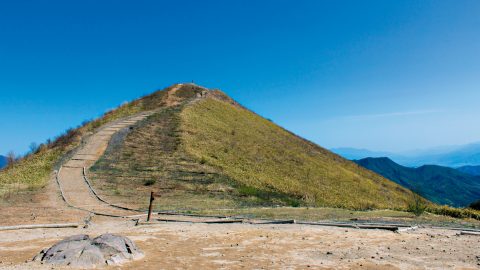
45, 206
246, 246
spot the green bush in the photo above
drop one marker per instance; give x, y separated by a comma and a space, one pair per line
475, 205
149, 182
417, 205
455, 212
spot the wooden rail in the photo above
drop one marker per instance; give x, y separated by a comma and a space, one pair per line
40, 226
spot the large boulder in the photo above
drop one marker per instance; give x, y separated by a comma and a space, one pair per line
83, 252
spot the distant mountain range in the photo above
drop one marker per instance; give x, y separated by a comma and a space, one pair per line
451, 156
472, 170
3, 161
356, 153
439, 184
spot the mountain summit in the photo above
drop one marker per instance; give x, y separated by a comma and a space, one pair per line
200, 149
202, 145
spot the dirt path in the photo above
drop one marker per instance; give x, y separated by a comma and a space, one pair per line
71, 178
172, 99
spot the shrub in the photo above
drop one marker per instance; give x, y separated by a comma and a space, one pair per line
149, 182
11, 158
294, 203
33, 148
417, 205
455, 212
67, 138
475, 205
248, 191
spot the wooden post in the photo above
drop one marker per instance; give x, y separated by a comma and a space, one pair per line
150, 207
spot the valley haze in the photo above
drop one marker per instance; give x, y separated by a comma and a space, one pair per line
449, 156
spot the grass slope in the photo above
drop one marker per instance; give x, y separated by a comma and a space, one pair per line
259, 154
150, 156
210, 152
439, 184
29, 173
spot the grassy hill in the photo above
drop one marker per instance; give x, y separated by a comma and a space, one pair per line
212, 152
441, 185
203, 151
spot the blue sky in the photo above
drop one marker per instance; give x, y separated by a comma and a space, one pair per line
383, 75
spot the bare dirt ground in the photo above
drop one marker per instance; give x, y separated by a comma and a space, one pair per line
246, 246
45, 206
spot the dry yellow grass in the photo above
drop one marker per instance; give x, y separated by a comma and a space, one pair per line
260, 154
29, 173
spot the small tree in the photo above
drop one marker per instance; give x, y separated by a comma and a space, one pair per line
33, 148
11, 158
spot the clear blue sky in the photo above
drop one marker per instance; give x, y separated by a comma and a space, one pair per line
383, 75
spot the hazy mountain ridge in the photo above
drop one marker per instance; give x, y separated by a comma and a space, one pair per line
439, 184
3, 161
448, 156
472, 170
356, 153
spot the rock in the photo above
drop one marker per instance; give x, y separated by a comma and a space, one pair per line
83, 252
118, 248
67, 251
39, 256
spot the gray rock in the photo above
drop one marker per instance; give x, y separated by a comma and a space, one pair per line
119, 249
83, 252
